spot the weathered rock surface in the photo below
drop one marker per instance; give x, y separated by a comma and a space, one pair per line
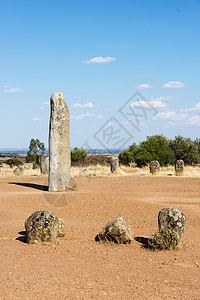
59, 145
114, 164
173, 219
115, 231
179, 167
44, 164
154, 167
19, 171
44, 226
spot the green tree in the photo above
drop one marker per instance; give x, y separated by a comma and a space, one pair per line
155, 147
128, 156
185, 149
35, 148
197, 143
78, 154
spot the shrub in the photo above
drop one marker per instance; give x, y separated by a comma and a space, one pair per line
13, 162
92, 160
185, 149
164, 240
78, 154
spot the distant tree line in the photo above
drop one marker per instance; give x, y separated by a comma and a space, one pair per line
79, 156
166, 151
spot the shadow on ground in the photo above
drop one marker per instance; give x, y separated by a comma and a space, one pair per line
145, 242
22, 237
31, 185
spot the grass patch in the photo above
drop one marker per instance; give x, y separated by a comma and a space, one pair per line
165, 240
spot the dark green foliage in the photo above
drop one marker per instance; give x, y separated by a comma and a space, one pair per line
35, 148
185, 149
13, 162
78, 154
165, 151
197, 143
165, 240
155, 147
128, 156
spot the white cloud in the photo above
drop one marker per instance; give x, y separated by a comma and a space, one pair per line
10, 90
99, 60
173, 85
155, 104
46, 103
194, 121
99, 117
86, 105
195, 108
169, 115
36, 119
190, 121
83, 116
161, 98
143, 86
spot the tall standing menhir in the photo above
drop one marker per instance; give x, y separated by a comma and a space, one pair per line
59, 144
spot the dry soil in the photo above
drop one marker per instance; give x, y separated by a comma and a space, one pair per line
80, 268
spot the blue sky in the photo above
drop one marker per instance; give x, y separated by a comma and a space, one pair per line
99, 54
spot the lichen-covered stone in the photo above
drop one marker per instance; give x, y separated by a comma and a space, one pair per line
179, 167
44, 164
173, 219
114, 164
154, 167
115, 231
44, 226
59, 145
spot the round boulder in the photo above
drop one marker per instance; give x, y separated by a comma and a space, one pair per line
172, 219
154, 167
44, 226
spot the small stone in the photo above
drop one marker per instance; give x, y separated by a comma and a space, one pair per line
114, 163
115, 231
173, 219
179, 167
154, 167
19, 171
44, 226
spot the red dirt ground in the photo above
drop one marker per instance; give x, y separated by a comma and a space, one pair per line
80, 268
